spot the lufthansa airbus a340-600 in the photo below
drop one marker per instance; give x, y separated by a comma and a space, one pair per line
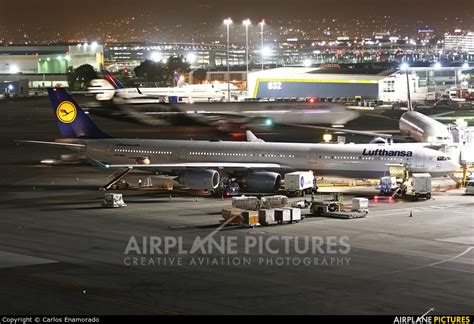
202, 164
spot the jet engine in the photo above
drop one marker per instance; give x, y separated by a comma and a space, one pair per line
379, 140
200, 179
71, 157
262, 181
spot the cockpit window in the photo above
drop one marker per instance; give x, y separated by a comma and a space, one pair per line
443, 158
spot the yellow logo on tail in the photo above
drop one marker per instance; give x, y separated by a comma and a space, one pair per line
66, 112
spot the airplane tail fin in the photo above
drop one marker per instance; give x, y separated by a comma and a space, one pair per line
112, 80
71, 119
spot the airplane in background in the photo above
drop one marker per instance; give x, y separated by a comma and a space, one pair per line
413, 126
256, 164
422, 128
158, 112
245, 113
110, 88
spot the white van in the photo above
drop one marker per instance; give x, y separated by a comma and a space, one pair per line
470, 187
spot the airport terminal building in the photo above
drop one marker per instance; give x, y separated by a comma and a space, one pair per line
388, 85
23, 67
310, 82
26, 66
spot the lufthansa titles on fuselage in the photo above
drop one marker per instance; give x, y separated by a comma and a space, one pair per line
384, 152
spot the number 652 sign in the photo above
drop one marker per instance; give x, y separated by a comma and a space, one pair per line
274, 85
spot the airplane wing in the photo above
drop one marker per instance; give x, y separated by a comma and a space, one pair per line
174, 166
352, 131
219, 165
201, 116
447, 113
59, 144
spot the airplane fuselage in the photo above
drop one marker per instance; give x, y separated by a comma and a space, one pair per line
188, 92
345, 160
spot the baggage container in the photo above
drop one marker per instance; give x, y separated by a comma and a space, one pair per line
295, 214
250, 217
244, 202
233, 214
266, 216
113, 200
277, 201
282, 215
360, 204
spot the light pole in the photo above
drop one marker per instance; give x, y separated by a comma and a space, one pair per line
262, 23
246, 23
228, 22
44, 76
405, 66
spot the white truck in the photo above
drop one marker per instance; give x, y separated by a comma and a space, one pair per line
413, 186
299, 182
418, 186
469, 187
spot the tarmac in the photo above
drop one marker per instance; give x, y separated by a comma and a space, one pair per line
61, 252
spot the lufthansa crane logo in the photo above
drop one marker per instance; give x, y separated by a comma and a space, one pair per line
66, 112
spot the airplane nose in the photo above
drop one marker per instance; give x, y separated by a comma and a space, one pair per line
453, 166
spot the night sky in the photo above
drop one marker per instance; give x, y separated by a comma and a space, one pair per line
51, 21
49, 13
